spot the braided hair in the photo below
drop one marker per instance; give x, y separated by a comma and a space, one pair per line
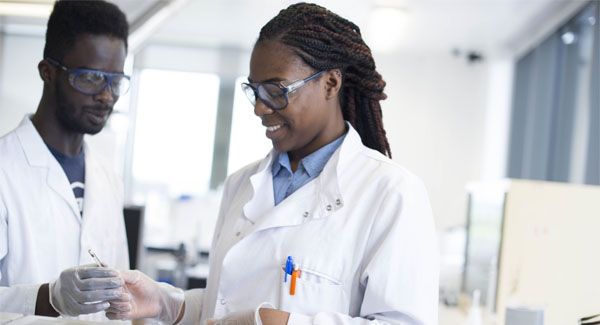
326, 41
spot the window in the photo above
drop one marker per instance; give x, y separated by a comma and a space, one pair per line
248, 141
555, 106
174, 134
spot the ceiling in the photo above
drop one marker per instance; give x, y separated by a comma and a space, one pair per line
387, 25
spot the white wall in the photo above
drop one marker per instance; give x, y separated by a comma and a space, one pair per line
20, 84
434, 117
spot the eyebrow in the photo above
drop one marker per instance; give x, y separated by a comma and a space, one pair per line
268, 80
93, 69
97, 70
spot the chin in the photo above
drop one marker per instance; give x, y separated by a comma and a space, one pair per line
279, 147
93, 131
88, 128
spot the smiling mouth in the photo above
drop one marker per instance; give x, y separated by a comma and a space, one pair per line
273, 128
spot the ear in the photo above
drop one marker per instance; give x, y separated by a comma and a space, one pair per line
47, 73
333, 82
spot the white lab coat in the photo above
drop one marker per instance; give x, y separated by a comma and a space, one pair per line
41, 229
362, 234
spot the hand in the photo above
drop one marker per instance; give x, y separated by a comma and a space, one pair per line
146, 298
85, 289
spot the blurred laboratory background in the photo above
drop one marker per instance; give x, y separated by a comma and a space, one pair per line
495, 104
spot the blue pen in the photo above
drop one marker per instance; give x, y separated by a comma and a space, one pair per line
289, 267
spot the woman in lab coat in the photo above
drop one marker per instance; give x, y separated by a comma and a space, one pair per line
356, 227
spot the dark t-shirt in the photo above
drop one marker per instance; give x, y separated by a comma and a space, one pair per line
74, 167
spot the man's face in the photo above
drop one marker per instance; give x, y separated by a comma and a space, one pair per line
78, 112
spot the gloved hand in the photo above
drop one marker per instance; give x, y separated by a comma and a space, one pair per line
146, 298
247, 317
85, 289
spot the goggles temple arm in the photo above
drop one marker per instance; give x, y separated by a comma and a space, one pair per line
293, 86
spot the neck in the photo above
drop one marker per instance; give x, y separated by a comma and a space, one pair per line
333, 133
53, 132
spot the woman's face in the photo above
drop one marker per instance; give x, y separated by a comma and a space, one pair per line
309, 120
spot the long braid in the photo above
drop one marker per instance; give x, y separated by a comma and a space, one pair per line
326, 41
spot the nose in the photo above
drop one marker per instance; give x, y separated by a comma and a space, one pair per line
106, 95
260, 109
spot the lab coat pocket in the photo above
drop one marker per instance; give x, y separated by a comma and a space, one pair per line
314, 292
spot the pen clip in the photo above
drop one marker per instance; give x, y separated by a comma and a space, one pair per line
289, 265
295, 275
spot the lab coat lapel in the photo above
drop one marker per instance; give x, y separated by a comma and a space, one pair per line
296, 209
316, 199
93, 192
262, 190
38, 155
261, 210
58, 181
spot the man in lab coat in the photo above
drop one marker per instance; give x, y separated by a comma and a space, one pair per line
57, 197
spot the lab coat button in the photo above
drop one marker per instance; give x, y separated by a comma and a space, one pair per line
305, 215
222, 301
338, 201
238, 234
328, 207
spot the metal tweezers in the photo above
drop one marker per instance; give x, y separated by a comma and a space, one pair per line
584, 320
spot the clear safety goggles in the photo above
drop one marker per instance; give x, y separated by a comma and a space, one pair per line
275, 96
92, 82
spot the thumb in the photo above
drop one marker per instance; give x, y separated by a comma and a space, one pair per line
131, 276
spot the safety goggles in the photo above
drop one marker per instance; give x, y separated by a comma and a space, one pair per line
92, 82
275, 96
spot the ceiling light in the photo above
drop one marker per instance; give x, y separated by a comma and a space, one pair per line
26, 9
568, 37
386, 28
592, 20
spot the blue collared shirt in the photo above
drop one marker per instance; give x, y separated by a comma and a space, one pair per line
285, 182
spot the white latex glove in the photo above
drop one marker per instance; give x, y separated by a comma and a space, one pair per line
85, 289
146, 298
248, 317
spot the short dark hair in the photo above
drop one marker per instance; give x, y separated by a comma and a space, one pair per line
326, 41
71, 19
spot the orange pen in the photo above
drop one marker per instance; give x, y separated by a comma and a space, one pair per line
295, 274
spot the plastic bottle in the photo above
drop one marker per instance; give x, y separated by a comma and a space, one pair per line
475, 316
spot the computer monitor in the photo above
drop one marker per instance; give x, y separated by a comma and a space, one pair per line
484, 236
134, 225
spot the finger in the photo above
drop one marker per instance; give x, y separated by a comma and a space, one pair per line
99, 283
115, 315
125, 298
90, 308
98, 295
119, 307
131, 276
93, 271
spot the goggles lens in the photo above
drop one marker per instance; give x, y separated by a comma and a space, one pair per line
94, 82
270, 94
249, 91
